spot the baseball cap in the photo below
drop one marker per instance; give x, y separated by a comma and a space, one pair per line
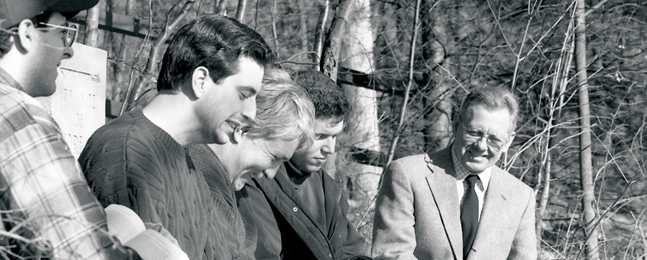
14, 11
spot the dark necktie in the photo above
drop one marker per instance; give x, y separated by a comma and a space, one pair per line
469, 214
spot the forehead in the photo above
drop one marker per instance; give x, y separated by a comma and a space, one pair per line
281, 149
330, 126
249, 75
478, 116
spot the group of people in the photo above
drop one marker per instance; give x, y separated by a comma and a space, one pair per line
226, 160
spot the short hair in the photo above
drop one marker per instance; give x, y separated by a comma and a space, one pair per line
283, 111
493, 98
329, 99
212, 41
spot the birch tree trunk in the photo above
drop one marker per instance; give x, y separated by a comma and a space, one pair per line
362, 124
240, 11
92, 27
586, 167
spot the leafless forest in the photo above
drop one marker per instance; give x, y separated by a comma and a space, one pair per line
578, 68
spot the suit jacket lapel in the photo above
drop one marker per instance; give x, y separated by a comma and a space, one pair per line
495, 211
442, 185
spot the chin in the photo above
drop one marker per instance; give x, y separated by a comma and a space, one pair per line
313, 168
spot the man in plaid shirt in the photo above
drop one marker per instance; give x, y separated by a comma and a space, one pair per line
47, 209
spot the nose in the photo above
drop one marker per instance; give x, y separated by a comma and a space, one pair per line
481, 143
329, 146
271, 172
249, 109
68, 52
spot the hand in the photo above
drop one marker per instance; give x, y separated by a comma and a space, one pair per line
159, 228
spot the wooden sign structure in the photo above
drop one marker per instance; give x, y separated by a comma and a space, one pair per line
78, 105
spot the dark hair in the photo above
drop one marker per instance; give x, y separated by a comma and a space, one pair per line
493, 98
212, 41
326, 95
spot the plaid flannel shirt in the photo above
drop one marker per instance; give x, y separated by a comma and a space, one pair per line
42, 187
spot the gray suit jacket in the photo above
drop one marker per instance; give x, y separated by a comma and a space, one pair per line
417, 214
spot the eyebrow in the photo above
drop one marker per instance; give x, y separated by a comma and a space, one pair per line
248, 88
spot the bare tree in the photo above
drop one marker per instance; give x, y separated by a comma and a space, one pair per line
586, 161
148, 77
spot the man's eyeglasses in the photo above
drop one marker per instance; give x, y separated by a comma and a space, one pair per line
476, 136
68, 32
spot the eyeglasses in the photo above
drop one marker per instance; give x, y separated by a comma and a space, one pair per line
476, 136
68, 33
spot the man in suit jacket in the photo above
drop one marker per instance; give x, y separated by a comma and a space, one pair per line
455, 203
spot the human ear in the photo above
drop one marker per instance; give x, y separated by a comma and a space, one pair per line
25, 36
508, 143
199, 81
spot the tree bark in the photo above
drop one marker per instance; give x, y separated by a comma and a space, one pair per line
586, 163
221, 8
320, 32
362, 124
435, 35
92, 27
330, 56
240, 11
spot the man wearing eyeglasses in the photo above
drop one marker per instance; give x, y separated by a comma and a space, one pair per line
456, 203
45, 201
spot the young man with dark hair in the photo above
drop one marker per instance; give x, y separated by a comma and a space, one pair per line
209, 78
301, 214
45, 201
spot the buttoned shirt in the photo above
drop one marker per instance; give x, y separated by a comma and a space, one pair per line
42, 187
461, 185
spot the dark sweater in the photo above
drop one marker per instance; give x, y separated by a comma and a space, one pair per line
286, 228
231, 239
132, 162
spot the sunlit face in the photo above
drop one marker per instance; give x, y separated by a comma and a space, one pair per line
256, 158
229, 104
45, 55
326, 131
475, 153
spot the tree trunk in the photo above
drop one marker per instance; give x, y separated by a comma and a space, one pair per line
221, 8
586, 167
330, 54
92, 27
320, 32
240, 11
362, 124
330, 57
435, 37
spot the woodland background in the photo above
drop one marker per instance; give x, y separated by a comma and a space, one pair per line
578, 68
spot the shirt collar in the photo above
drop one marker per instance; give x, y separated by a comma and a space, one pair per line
461, 172
9, 80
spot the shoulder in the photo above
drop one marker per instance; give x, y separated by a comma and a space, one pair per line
18, 110
511, 184
411, 165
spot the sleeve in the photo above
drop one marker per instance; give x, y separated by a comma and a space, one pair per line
268, 245
355, 247
524, 245
122, 170
42, 183
393, 226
